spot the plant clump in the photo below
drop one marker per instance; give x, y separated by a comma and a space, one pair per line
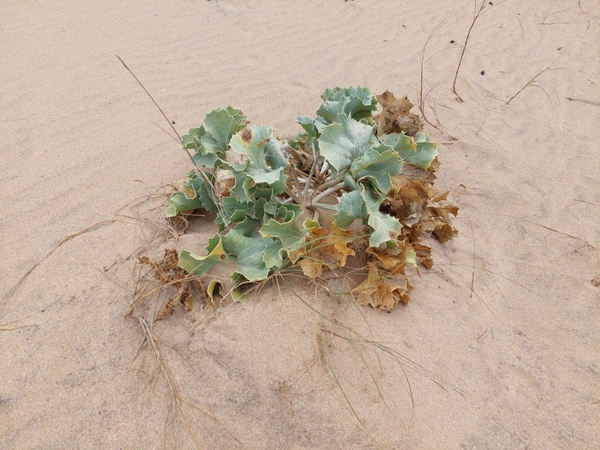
354, 184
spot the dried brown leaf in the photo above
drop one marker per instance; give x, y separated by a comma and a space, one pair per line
382, 292
328, 248
396, 117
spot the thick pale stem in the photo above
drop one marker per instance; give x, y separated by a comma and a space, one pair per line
328, 191
324, 206
312, 169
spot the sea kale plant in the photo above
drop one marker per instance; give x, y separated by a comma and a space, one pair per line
356, 185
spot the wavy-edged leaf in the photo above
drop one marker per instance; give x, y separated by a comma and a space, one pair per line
364, 204
199, 265
378, 165
203, 188
264, 163
351, 206
395, 116
272, 255
248, 252
385, 228
355, 101
219, 125
346, 140
288, 232
326, 248
381, 291
178, 203
419, 151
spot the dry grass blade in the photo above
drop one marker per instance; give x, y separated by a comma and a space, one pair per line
173, 389
529, 83
56, 247
336, 380
421, 97
478, 13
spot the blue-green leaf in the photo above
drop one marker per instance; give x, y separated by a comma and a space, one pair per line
419, 151
199, 265
385, 227
288, 232
346, 140
219, 126
351, 206
249, 254
178, 203
378, 165
354, 101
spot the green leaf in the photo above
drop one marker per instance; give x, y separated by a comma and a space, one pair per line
264, 163
251, 143
288, 232
355, 102
203, 188
219, 126
272, 255
308, 125
273, 177
351, 206
207, 160
385, 227
192, 140
178, 203
249, 254
419, 151
378, 165
364, 204
426, 151
234, 211
242, 188
199, 265
248, 226
344, 141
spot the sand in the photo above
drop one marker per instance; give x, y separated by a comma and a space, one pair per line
499, 347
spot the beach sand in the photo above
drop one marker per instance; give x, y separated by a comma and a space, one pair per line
499, 347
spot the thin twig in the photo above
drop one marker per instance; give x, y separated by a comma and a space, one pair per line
151, 98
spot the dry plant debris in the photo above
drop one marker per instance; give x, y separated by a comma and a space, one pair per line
353, 182
167, 271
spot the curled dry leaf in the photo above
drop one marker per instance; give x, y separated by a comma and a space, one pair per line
381, 291
396, 117
327, 248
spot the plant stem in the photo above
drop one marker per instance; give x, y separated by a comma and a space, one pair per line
328, 191
324, 206
332, 181
312, 169
293, 196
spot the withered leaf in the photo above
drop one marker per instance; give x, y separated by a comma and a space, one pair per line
396, 117
328, 248
382, 292
392, 259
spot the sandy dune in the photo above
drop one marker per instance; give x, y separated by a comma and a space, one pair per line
500, 344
